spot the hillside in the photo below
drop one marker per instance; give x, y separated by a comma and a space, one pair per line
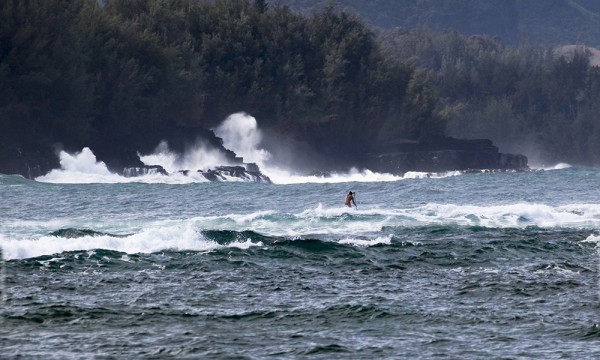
535, 22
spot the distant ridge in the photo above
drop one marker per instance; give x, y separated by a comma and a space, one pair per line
535, 22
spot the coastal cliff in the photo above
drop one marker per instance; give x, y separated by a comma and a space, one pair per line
444, 154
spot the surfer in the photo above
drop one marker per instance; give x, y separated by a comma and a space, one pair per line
350, 199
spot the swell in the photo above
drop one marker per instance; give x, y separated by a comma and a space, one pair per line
440, 231
59, 313
71, 233
225, 237
435, 245
13, 180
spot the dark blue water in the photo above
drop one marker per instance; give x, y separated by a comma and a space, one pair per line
501, 265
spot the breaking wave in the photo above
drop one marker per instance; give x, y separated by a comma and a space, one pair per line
84, 168
341, 225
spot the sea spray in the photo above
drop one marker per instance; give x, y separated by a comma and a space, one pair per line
81, 167
241, 134
199, 157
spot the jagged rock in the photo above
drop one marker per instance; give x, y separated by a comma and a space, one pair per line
144, 170
252, 167
220, 173
250, 172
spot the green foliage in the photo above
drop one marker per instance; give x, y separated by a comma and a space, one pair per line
45, 87
526, 99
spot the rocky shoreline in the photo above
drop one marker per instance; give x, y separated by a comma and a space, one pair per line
440, 155
446, 154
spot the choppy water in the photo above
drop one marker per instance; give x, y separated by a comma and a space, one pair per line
500, 265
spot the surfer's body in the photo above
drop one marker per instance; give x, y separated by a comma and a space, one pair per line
350, 200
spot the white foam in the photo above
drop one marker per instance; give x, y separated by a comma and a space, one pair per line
341, 220
241, 134
323, 211
386, 240
245, 245
245, 219
83, 168
426, 175
513, 215
559, 166
183, 236
24, 239
280, 176
553, 270
593, 238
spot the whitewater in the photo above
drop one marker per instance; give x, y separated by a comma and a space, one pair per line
453, 265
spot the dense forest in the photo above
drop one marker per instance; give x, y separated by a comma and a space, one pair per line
529, 100
119, 73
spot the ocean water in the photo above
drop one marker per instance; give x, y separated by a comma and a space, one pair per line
476, 265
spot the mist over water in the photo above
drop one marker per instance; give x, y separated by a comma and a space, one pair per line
241, 134
199, 157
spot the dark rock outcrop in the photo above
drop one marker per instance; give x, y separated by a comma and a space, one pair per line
123, 158
125, 154
439, 155
144, 170
248, 172
27, 162
444, 154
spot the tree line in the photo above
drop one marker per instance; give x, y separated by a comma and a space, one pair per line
99, 73
527, 99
